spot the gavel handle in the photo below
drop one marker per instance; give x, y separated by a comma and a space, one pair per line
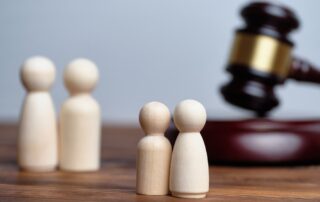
302, 70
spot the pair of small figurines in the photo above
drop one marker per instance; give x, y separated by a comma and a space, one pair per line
183, 171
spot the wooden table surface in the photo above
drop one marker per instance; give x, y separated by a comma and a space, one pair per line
116, 179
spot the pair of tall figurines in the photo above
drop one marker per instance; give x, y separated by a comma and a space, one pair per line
75, 144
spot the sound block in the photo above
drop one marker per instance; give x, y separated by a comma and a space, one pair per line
260, 141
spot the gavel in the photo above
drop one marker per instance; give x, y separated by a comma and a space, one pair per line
261, 58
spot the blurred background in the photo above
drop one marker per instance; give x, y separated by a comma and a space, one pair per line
145, 50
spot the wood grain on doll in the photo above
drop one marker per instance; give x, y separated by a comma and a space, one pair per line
154, 150
189, 173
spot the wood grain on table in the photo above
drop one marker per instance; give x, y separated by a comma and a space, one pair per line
116, 179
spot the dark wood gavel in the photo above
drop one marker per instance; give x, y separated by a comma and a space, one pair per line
261, 58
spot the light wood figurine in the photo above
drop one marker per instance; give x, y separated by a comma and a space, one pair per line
154, 151
189, 173
80, 122
37, 135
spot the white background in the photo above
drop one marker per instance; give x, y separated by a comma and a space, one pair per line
146, 50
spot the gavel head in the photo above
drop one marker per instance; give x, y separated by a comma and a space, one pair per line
260, 57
